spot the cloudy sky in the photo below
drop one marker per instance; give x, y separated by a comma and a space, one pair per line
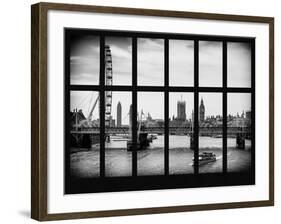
150, 62
237, 102
84, 60
212, 102
121, 51
84, 100
181, 59
239, 64
210, 63
152, 102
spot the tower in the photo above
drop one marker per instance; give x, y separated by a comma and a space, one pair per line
131, 116
181, 115
119, 114
201, 111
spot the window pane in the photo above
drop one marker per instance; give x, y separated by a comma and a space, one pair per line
85, 134
181, 59
239, 132
84, 60
210, 132
150, 62
238, 64
210, 63
118, 60
118, 160
180, 133
150, 157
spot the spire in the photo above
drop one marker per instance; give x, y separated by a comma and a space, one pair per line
202, 103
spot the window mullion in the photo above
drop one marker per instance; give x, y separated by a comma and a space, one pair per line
134, 106
253, 101
102, 109
196, 99
224, 107
166, 113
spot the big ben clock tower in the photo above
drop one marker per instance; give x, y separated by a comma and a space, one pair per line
201, 111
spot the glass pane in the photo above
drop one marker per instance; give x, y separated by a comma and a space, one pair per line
84, 60
85, 134
238, 64
150, 157
181, 59
239, 132
210, 63
210, 132
150, 62
118, 61
118, 160
180, 133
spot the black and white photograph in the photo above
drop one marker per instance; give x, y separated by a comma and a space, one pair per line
140, 111
157, 111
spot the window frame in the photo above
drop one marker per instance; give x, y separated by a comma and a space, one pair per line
166, 181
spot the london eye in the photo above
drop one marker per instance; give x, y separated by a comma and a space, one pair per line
108, 94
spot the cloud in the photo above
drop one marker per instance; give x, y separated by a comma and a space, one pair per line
239, 64
210, 63
181, 62
150, 61
150, 43
119, 52
84, 60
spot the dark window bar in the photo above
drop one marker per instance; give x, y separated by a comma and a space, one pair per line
224, 109
102, 108
166, 62
67, 105
160, 88
253, 101
134, 106
196, 103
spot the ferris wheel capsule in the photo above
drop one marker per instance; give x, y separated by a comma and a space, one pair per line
108, 82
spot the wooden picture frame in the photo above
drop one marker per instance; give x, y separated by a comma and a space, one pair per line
39, 109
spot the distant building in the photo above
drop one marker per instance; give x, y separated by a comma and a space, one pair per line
181, 105
149, 117
243, 114
131, 116
201, 111
248, 115
119, 115
248, 118
111, 122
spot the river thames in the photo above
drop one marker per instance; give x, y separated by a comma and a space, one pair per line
118, 161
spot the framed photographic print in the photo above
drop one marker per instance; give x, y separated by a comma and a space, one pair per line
138, 111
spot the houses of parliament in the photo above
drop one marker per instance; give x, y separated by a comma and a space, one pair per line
181, 111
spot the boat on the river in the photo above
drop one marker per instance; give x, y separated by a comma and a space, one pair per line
205, 157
